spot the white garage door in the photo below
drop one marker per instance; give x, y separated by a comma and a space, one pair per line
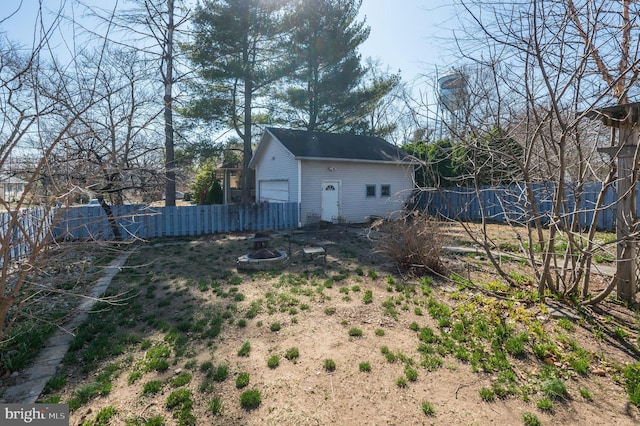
274, 191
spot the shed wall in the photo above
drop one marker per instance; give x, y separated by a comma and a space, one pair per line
276, 164
355, 206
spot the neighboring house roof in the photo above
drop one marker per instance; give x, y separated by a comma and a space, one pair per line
336, 146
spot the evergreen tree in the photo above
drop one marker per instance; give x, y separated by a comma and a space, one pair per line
329, 91
234, 49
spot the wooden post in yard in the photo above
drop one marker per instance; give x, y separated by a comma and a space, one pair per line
626, 119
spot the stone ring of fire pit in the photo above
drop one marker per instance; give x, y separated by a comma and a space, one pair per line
263, 259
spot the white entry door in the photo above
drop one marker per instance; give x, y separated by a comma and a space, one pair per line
330, 199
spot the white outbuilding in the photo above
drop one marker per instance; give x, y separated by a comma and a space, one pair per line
333, 175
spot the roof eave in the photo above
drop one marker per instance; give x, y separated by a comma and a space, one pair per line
253, 161
357, 160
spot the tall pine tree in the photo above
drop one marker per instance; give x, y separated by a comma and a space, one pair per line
234, 49
329, 91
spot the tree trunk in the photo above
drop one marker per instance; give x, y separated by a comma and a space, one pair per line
170, 174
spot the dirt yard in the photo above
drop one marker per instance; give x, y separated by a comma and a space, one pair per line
189, 339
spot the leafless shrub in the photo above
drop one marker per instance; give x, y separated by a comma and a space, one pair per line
414, 242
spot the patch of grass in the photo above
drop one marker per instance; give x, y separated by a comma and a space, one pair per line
206, 386
156, 358
367, 297
365, 367
244, 349
545, 404
292, 354
215, 405
566, 324
427, 335
427, 408
372, 273
275, 327
181, 379
83, 394
158, 420
411, 373
379, 332
515, 345
242, 380
181, 404
585, 393
273, 361
631, 375
250, 399
57, 382
152, 387
253, 310
389, 306
620, 333
401, 382
414, 326
553, 387
390, 357
330, 311
221, 373
355, 332
103, 418
329, 365
580, 363
530, 419
487, 394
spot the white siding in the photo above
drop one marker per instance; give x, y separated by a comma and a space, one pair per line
277, 164
354, 177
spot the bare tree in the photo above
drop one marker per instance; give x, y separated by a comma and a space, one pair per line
70, 127
151, 27
38, 109
544, 65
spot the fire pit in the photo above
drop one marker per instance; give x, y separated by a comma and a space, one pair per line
262, 257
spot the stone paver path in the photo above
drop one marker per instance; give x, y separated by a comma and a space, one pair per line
33, 380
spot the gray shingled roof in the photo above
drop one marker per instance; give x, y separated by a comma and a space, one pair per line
318, 145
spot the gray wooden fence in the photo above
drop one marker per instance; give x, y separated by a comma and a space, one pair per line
137, 221
29, 226
509, 203
22, 230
